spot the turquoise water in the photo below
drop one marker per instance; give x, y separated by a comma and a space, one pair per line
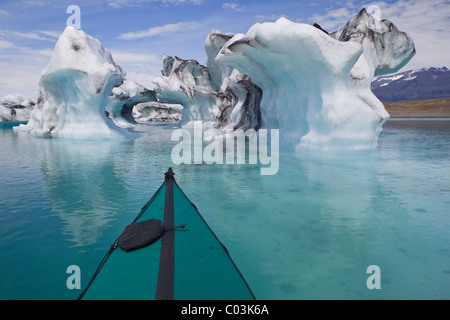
309, 232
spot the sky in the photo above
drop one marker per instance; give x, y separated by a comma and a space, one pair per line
139, 32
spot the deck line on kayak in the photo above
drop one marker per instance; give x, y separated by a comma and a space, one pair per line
166, 274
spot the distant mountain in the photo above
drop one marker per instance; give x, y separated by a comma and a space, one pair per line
418, 84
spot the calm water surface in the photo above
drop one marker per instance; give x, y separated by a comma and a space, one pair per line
309, 232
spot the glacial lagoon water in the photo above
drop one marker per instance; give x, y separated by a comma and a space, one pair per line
308, 232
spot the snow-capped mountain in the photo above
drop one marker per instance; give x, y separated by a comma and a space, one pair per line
417, 84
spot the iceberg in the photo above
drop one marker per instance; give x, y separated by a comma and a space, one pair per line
74, 90
15, 107
242, 113
385, 50
311, 85
122, 101
187, 82
149, 112
218, 95
317, 86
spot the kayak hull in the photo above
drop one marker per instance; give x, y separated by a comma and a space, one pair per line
202, 266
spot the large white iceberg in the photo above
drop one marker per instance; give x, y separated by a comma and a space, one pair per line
317, 86
74, 90
312, 86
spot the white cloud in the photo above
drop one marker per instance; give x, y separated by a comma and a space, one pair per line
142, 68
39, 35
334, 19
426, 22
132, 57
45, 53
6, 44
3, 13
196, 2
118, 3
133, 3
271, 18
22, 80
21, 67
144, 79
233, 6
52, 34
160, 30
34, 3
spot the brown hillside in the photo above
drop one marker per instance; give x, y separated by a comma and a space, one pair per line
433, 108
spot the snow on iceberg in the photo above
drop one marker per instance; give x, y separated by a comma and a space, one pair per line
74, 90
385, 50
15, 107
149, 112
316, 87
122, 101
217, 94
187, 82
242, 112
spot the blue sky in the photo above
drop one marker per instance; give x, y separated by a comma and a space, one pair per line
139, 32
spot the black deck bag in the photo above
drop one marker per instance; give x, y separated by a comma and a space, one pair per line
140, 235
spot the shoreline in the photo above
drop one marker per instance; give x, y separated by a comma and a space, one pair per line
408, 110
411, 119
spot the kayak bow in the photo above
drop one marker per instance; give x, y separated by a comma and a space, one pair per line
168, 252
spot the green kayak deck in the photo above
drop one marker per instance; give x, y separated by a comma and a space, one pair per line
188, 262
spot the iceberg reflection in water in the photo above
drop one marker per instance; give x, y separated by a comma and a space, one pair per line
84, 185
308, 232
